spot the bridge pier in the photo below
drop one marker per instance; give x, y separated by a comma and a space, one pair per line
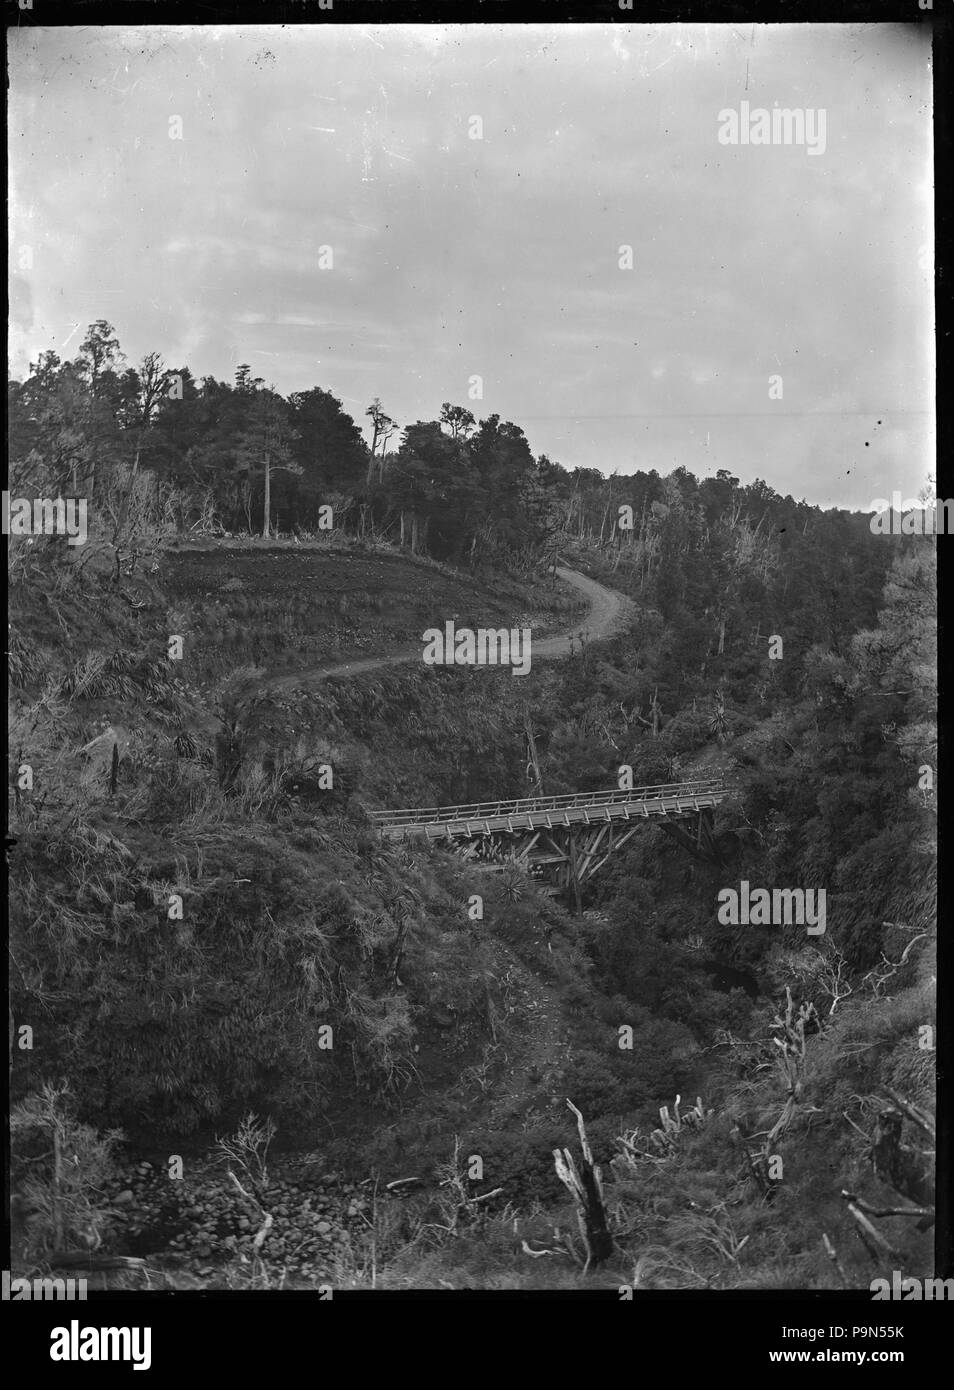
566, 856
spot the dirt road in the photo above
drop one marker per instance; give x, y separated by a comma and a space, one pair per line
606, 617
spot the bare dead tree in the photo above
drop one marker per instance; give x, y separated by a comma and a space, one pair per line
585, 1185
905, 1168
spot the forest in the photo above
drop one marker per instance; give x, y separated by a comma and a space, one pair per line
155, 449
318, 1033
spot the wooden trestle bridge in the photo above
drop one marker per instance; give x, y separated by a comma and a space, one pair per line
563, 839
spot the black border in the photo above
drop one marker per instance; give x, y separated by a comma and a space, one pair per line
686, 1329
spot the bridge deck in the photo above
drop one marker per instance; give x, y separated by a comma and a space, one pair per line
549, 812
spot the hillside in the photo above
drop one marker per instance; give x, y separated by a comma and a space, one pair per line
283, 1049
299, 608
191, 921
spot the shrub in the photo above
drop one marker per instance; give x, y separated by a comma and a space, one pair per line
61, 1169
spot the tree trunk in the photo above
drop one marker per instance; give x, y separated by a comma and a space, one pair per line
268, 496
585, 1185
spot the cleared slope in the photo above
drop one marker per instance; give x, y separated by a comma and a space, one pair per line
606, 617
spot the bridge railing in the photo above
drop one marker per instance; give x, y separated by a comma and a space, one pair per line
482, 810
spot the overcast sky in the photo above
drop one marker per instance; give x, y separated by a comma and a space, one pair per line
499, 257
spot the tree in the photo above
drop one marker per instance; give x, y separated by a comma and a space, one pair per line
100, 352
143, 392
458, 420
382, 427
245, 383
504, 467
333, 456
433, 491
267, 443
57, 429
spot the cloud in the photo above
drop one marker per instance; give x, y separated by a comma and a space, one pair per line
499, 256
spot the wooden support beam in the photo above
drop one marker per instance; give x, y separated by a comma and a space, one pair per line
527, 847
618, 845
676, 832
591, 850
557, 848
573, 877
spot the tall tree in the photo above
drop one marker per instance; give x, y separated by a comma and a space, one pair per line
333, 455
266, 444
143, 389
382, 428
100, 352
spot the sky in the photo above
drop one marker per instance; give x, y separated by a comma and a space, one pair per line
455, 258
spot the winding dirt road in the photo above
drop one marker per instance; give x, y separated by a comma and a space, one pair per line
607, 616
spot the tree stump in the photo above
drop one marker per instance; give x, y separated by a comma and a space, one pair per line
585, 1185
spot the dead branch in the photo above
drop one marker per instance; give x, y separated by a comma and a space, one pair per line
914, 1113
85, 1259
889, 1211
832, 1254
881, 974
267, 1218
873, 1241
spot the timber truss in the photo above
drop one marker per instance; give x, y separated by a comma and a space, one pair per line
563, 840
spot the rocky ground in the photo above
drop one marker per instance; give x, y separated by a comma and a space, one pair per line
201, 1229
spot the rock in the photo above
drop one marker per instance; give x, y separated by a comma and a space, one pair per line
124, 1198
323, 1227
203, 1251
